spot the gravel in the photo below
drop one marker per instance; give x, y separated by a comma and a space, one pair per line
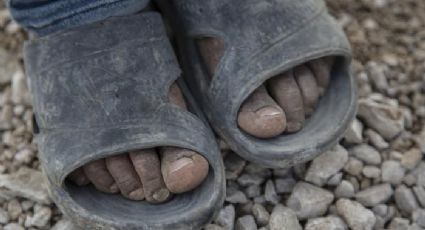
378, 184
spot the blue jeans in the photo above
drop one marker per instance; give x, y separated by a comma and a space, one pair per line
43, 17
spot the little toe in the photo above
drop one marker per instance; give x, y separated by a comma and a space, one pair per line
261, 116
308, 86
285, 91
78, 177
182, 169
148, 167
321, 69
99, 175
124, 174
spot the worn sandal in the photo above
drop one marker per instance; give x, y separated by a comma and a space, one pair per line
263, 39
101, 90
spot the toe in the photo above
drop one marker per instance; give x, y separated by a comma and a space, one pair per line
285, 91
182, 169
79, 177
261, 116
124, 174
99, 175
148, 167
321, 69
308, 86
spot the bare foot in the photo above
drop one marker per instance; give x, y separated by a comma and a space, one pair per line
151, 174
284, 102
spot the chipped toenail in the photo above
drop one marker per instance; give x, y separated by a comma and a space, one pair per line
161, 195
180, 163
137, 194
114, 188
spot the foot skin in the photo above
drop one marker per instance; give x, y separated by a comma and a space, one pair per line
151, 174
283, 103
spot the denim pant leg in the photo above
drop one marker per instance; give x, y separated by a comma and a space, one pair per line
48, 16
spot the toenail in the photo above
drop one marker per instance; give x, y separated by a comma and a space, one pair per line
161, 195
137, 194
114, 188
180, 163
294, 126
268, 111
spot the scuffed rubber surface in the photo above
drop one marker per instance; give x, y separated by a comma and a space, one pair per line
263, 39
102, 90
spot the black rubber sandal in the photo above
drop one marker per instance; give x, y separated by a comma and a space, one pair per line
102, 90
263, 39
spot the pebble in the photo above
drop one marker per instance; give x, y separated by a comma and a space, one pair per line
344, 190
375, 195
326, 223
270, 193
250, 179
41, 216
261, 215
326, 165
234, 165
246, 223
420, 195
213, 227
309, 201
20, 93
386, 119
235, 197
355, 215
392, 172
405, 200
285, 185
399, 224
14, 209
371, 172
13, 226
283, 218
376, 140
354, 133
226, 217
335, 179
367, 154
411, 159
353, 167
4, 216
8, 66
64, 224
418, 217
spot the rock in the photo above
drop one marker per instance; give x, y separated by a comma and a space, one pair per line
335, 179
246, 223
326, 223
405, 200
235, 197
270, 193
326, 165
420, 194
8, 66
386, 119
226, 217
309, 201
354, 132
285, 185
25, 156
399, 224
258, 170
14, 209
353, 167
367, 154
261, 215
419, 173
4, 216
419, 139
20, 93
213, 227
392, 172
375, 195
250, 179
377, 73
371, 172
253, 191
411, 159
418, 217
234, 165
41, 216
27, 183
13, 226
344, 190
355, 215
376, 140
64, 224
283, 218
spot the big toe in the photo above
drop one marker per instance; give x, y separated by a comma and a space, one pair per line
260, 115
182, 169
